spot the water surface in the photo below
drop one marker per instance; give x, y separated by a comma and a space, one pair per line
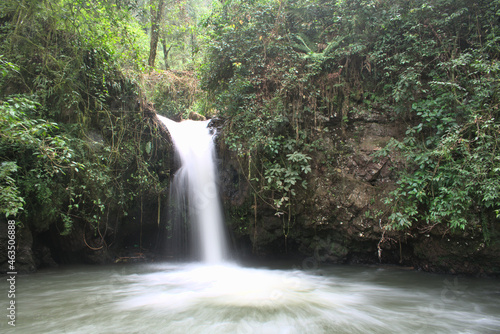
198, 298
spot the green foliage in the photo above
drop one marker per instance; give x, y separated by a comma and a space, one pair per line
11, 201
452, 153
456, 179
75, 147
6, 67
276, 71
284, 179
33, 152
38, 136
249, 68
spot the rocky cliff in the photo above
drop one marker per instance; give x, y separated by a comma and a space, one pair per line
341, 217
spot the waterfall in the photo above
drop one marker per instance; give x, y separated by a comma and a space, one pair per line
194, 187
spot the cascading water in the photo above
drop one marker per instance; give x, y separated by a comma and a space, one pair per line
195, 187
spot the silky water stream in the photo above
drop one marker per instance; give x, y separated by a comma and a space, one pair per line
194, 193
217, 296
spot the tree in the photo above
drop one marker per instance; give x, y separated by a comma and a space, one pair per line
156, 10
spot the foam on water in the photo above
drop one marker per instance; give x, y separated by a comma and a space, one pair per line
225, 298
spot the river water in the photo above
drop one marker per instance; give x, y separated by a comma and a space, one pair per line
227, 298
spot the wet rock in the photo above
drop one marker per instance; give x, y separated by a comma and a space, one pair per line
196, 117
233, 185
43, 257
24, 260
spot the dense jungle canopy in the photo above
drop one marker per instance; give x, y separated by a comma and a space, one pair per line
80, 82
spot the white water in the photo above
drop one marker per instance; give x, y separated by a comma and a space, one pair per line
178, 298
196, 180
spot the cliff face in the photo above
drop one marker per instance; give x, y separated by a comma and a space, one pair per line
341, 217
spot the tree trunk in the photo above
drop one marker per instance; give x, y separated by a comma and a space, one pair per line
165, 52
156, 12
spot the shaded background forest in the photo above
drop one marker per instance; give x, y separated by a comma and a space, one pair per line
299, 89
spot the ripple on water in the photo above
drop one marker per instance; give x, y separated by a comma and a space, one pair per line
195, 298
